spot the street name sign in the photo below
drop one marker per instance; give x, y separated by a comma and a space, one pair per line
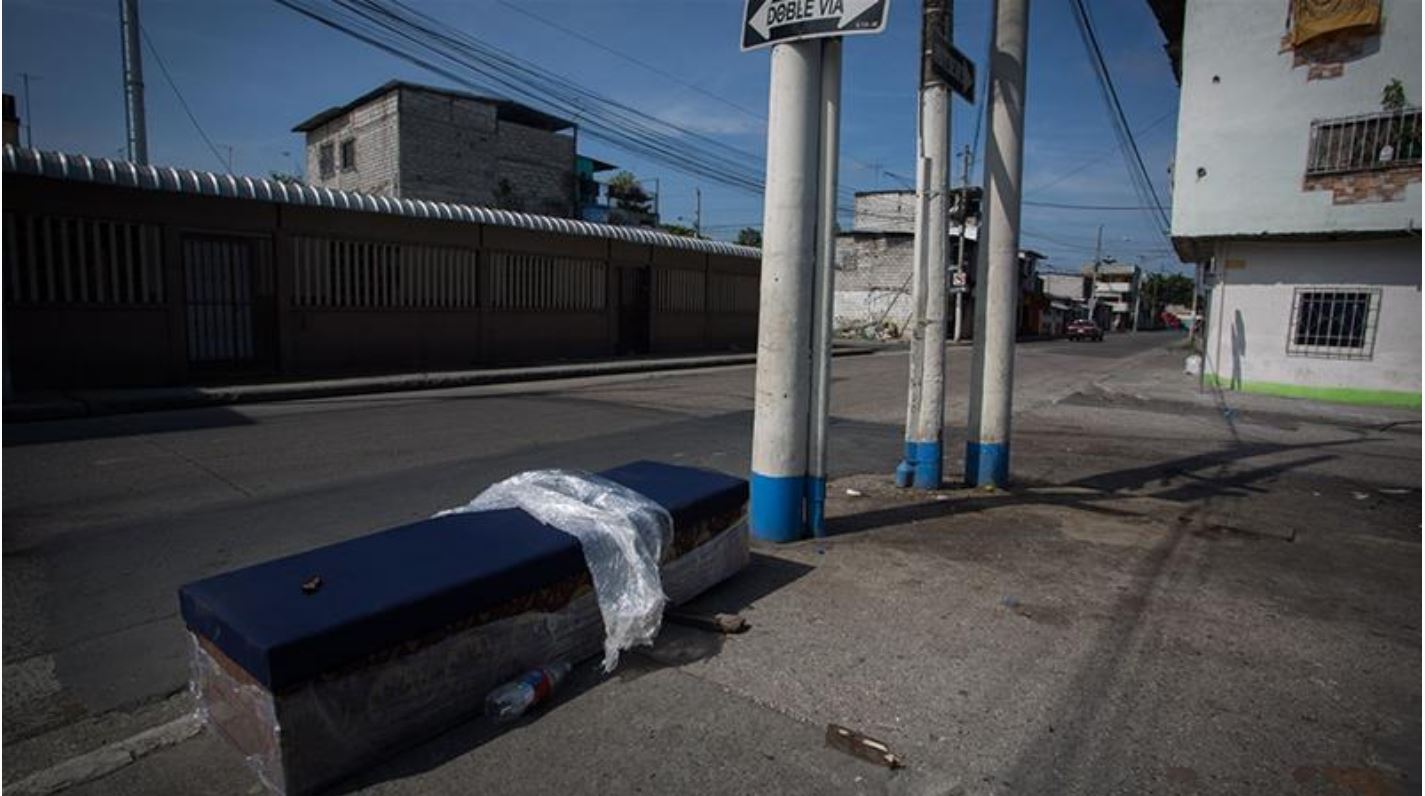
767, 22
954, 68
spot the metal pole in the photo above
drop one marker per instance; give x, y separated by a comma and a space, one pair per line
923, 461
779, 425
830, 104
133, 82
29, 114
988, 447
960, 256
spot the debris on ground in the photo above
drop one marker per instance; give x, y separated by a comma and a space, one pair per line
727, 624
854, 493
863, 746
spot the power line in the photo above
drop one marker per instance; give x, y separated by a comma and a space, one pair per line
1067, 206
223, 165
1098, 158
1133, 158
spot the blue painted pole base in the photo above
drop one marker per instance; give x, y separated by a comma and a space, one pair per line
776, 513
923, 466
987, 463
929, 464
816, 505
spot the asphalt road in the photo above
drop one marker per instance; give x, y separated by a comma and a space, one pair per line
106, 517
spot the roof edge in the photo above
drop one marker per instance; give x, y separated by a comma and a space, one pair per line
124, 174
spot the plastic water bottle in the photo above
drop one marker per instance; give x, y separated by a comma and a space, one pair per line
511, 700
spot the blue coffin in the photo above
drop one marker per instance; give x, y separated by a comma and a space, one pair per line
405, 583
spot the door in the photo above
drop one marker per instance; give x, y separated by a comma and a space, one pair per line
225, 294
634, 316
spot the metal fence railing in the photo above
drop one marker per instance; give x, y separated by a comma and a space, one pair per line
1365, 142
1334, 322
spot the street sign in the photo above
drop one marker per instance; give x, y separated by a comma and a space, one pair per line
768, 22
954, 68
957, 279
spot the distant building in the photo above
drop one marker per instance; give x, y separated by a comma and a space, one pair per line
875, 261
1297, 191
419, 142
1114, 296
11, 121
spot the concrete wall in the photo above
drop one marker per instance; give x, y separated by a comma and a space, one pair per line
873, 281
1250, 313
1247, 104
341, 291
885, 211
373, 127
458, 150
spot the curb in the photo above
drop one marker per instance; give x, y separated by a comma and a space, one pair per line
99, 403
107, 759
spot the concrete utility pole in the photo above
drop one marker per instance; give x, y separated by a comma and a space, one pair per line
789, 242
133, 82
991, 398
965, 158
1137, 293
924, 460
698, 212
830, 126
1093, 284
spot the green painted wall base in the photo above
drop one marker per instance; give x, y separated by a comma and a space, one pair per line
1340, 395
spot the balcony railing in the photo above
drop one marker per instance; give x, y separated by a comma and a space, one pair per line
1366, 142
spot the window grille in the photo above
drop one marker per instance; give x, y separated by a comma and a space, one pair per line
1333, 323
372, 274
521, 281
1366, 142
678, 290
59, 260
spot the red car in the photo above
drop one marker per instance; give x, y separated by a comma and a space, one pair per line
1084, 330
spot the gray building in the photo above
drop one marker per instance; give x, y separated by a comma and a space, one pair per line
419, 142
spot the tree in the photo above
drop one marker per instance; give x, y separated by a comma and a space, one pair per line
1168, 289
678, 229
750, 236
628, 194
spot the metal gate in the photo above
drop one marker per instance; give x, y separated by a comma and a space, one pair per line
219, 275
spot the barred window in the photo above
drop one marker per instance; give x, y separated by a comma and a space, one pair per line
348, 155
1361, 143
1334, 323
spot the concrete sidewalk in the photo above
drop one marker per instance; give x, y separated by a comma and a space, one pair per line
1170, 599
57, 405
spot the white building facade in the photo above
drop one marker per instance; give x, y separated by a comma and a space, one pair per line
1297, 189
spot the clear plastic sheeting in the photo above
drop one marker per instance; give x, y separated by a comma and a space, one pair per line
623, 535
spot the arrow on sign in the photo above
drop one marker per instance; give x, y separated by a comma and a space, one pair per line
776, 13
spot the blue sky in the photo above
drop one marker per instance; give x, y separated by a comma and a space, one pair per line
250, 69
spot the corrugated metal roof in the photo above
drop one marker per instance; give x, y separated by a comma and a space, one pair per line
82, 168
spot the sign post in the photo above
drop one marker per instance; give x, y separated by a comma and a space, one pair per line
788, 483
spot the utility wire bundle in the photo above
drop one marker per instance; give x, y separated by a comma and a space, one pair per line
420, 39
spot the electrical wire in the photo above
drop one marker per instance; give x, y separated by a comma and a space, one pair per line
1133, 158
163, 68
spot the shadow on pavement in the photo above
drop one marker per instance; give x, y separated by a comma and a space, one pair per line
1086, 493
47, 431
